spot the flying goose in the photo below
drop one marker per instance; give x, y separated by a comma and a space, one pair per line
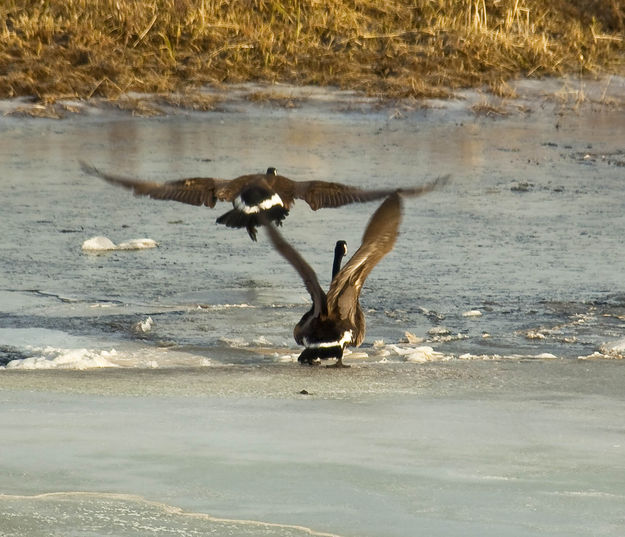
335, 319
268, 194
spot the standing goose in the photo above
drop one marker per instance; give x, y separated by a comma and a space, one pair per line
255, 197
336, 318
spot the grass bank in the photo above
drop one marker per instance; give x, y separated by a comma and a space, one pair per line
393, 48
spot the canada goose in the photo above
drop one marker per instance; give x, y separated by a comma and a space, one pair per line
267, 194
335, 319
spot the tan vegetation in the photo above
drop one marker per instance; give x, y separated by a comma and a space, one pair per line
82, 48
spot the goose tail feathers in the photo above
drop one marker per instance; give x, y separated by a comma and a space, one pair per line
236, 218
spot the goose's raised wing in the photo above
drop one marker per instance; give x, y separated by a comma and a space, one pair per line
194, 191
304, 269
377, 241
320, 194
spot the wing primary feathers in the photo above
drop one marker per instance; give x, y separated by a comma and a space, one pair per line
439, 182
377, 241
89, 169
299, 264
192, 191
319, 194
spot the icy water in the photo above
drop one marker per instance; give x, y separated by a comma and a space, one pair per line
155, 391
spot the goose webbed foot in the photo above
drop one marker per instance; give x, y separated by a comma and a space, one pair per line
339, 364
251, 231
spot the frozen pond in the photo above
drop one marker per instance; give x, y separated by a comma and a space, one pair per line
457, 448
154, 391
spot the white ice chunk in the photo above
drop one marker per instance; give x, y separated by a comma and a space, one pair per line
472, 313
285, 358
262, 340
439, 331
424, 354
402, 351
618, 346
104, 244
411, 338
98, 244
417, 354
54, 358
534, 334
144, 326
594, 356
615, 349
137, 244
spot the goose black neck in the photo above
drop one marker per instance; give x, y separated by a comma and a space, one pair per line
339, 252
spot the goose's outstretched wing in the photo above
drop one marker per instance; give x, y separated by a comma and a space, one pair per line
320, 194
194, 191
208, 190
304, 269
377, 241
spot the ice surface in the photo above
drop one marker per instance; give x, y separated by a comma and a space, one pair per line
470, 425
540, 263
459, 448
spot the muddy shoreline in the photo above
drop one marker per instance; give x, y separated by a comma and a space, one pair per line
563, 94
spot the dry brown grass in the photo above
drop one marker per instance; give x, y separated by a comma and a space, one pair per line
106, 48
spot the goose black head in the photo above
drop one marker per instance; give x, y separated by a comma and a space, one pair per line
271, 171
339, 253
340, 249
